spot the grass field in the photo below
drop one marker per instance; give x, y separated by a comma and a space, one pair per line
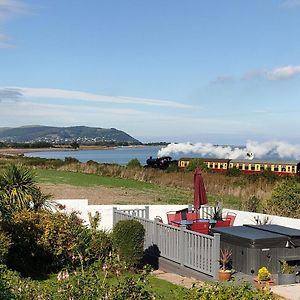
86, 180
156, 194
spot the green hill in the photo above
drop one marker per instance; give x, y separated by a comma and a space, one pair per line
57, 135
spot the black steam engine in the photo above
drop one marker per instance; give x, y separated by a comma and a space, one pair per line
160, 162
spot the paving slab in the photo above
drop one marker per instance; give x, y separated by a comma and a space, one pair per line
175, 278
289, 292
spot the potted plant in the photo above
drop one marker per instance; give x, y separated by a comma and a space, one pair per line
217, 213
224, 272
287, 273
263, 278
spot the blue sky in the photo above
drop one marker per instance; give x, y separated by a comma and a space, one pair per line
195, 70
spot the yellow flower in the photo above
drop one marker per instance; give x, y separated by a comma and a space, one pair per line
263, 274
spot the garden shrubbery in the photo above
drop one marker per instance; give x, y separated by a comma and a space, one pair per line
233, 292
128, 240
285, 199
36, 240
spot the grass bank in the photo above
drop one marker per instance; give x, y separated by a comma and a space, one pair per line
156, 194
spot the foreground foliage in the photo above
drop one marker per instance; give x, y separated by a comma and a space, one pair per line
128, 240
19, 190
224, 292
285, 199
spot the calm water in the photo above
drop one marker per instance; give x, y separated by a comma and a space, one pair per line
120, 155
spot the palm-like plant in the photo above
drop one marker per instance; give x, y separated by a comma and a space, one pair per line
18, 190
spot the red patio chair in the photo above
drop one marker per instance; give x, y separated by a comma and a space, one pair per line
191, 216
173, 216
200, 227
223, 223
231, 216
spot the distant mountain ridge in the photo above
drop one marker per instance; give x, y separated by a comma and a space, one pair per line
56, 135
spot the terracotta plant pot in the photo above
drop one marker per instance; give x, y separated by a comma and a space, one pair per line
259, 284
224, 275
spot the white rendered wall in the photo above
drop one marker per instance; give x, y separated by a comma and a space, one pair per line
243, 217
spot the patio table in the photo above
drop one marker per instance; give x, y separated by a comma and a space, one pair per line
188, 223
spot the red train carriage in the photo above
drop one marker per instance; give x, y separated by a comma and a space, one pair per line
285, 168
215, 164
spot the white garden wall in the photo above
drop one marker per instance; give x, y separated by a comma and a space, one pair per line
243, 217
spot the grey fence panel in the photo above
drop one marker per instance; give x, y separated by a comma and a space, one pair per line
188, 248
168, 241
199, 252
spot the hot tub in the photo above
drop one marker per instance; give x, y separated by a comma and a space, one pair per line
255, 246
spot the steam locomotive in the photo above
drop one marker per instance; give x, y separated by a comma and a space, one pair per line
160, 162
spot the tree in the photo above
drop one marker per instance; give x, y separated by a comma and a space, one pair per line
74, 145
285, 199
134, 163
196, 163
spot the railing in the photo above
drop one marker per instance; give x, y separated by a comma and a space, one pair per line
190, 249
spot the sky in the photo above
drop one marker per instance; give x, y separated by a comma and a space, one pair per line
213, 71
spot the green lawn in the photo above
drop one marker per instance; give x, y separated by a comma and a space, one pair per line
158, 194
82, 179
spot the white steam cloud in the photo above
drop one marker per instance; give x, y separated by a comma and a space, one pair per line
259, 150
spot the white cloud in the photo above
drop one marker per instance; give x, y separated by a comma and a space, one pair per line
291, 3
4, 41
10, 8
134, 121
84, 96
283, 73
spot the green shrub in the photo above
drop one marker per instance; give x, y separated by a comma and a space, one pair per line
196, 163
91, 284
49, 241
5, 243
285, 199
92, 244
46, 241
128, 240
231, 291
252, 204
234, 172
71, 160
173, 167
92, 162
134, 163
269, 175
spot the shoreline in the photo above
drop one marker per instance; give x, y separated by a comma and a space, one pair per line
21, 151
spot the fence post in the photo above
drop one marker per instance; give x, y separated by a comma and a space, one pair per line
155, 231
182, 244
216, 256
114, 215
146, 212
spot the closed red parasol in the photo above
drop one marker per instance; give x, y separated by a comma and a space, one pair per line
200, 197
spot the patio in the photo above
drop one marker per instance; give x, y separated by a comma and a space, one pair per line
191, 253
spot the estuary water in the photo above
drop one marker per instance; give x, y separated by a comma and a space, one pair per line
119, 155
